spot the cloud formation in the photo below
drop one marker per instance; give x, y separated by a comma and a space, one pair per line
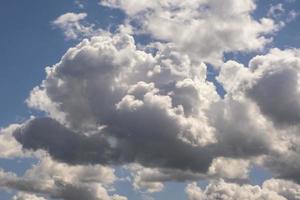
9, 147
26, 196
151, 109
159, 110
73, 25
132, 103
270, 85
273, 189
60, 181
204, 29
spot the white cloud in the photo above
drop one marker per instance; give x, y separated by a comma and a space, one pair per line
203, 29
142, 179
9, 147
159, 110
277, 71
194, 192
105, 82
60, 181
272, 75
153, 179
273, 189
109, 102
47, 169
74, 26
229, 168
288, 189
26, 196
270, 86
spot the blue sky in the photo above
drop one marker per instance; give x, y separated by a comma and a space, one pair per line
30, 42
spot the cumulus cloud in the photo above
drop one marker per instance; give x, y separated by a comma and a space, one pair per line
270, 85
60, 181
111, 93
273, 189
111, 102
194, 192
287, 189
272, 75
229, 168
240, 130
153, 179
203, 29
9, 147
26, 196
73, 25
278, 72
144, 178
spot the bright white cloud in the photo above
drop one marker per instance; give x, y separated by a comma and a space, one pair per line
203, 29
60, 181
229, 168
74, 26
9, 147
26, 196
273, 189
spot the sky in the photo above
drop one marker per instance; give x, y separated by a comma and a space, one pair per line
149, 100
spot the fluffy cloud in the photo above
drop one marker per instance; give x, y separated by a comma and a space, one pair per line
73, 26
152, 179
273, 189
9, 147
123, 105
26, 196
194, 192
287, 189
203, 29
144, 178
110, 102
47, 169
229, 168
241, 131
277, 71
270, 85
60, 181
273, 75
